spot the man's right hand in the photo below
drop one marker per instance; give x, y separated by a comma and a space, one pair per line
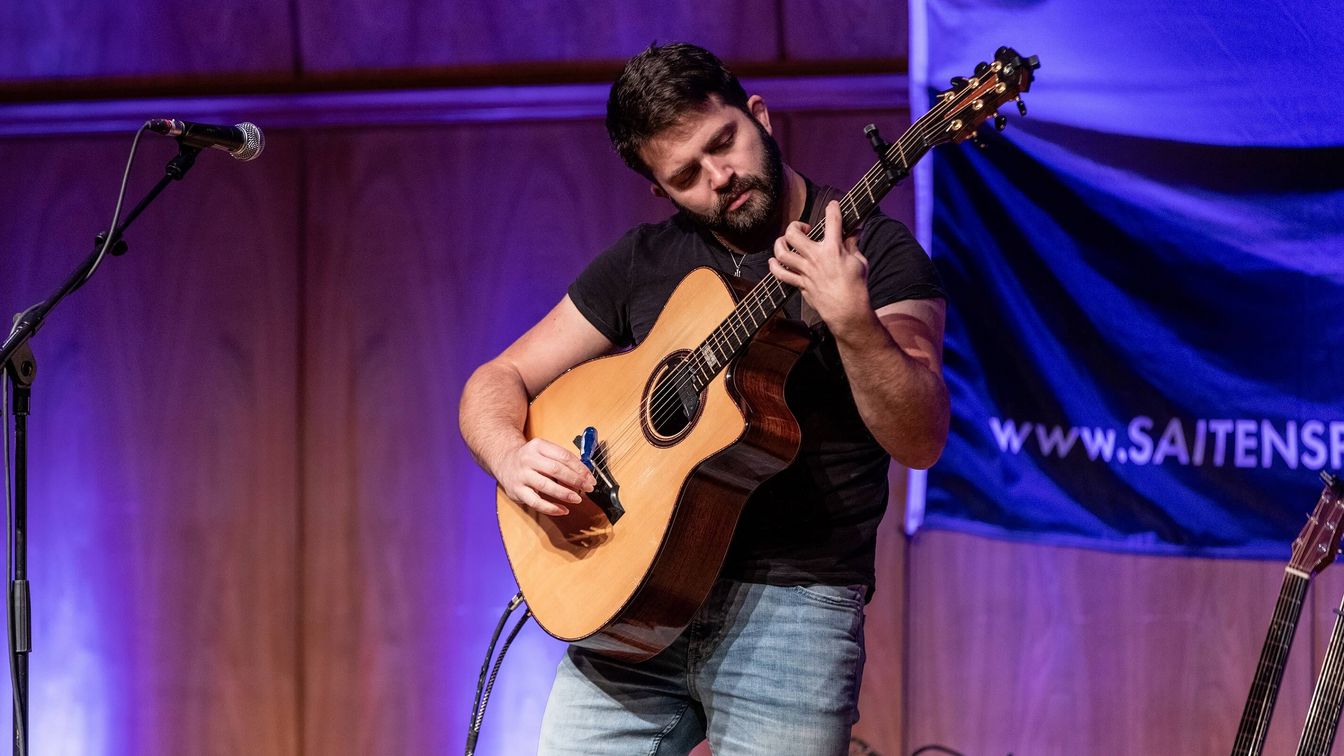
542, 475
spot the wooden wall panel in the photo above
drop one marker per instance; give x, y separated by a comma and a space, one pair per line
431, 250
64, 39
1019, 648
831, 148
854, 29
881, 725
164, 488
357, 35
152, 46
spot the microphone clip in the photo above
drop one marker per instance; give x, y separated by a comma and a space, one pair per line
185, 159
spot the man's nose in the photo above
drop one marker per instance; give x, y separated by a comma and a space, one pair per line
720, 175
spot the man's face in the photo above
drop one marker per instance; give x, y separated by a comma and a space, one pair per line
721, 167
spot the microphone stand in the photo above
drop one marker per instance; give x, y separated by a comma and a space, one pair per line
19, 367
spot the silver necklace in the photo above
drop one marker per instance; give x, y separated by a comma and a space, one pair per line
737, 265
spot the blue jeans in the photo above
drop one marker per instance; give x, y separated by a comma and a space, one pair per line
760, 670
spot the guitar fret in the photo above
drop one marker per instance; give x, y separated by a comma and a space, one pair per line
1323, 713
755, 309
1254, 725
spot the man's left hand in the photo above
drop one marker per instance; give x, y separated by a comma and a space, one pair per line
831, 273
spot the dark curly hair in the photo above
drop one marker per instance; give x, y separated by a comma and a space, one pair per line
657, 88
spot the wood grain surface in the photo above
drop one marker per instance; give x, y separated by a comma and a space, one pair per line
353, 34
69, 39
431, 250
820, 30
163, 496
1018, 648
830, 148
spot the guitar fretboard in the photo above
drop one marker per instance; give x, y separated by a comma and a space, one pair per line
756, 307
1318, 735
1269, 672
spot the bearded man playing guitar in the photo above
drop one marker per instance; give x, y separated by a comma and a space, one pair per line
771, 661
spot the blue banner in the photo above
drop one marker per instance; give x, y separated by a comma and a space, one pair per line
1146, 276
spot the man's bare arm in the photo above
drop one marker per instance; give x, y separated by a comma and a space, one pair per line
894, 366
892, 357
537, 473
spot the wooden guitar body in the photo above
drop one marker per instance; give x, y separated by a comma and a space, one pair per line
627, 588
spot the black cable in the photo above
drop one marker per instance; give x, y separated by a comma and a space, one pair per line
20, 703
486, 681
499, 662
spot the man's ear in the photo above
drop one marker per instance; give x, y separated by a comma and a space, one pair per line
656, 190
756, 106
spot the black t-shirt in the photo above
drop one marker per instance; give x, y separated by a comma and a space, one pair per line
816, 521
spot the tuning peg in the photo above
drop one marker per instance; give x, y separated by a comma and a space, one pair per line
1021, 106
959, 81
1000, 122
980, 68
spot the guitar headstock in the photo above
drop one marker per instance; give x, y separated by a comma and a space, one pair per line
1317, 544
970, 102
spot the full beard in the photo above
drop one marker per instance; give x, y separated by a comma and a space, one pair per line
758, 222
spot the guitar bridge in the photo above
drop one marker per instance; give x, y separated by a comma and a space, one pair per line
606, 493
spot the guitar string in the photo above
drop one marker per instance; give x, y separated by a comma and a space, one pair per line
1261, 690
1326, 688
1274, 654
1271, 657
1330, 680
1326, 717
1311, 729
666, 400
663, 407
876, 174
1255, 686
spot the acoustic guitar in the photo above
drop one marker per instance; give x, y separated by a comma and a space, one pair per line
681, 429
1313, 550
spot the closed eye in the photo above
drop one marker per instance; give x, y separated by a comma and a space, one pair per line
683, 178
725, 139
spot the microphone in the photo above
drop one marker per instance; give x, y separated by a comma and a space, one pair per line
243, 142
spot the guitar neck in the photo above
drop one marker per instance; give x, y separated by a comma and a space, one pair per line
956, 116
752, 312
1318, 735
1269, 672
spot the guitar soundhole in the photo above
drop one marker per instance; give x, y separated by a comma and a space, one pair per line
669, 408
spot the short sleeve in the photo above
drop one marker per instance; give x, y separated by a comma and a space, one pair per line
602, 291
898, 267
